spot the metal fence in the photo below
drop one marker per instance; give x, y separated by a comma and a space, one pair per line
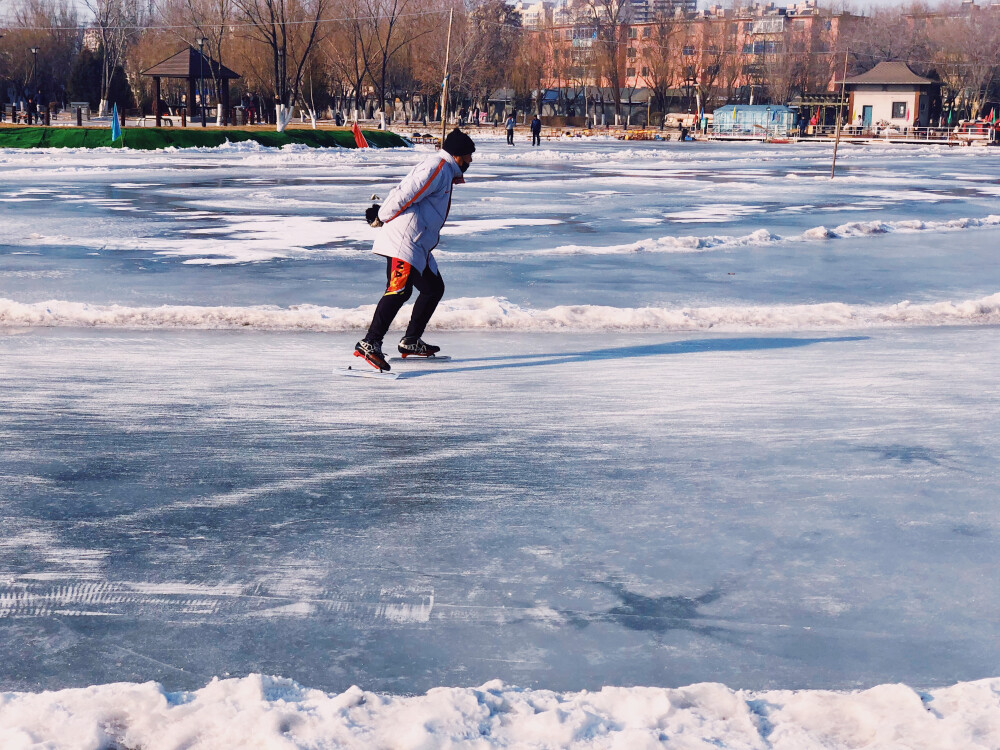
894, 134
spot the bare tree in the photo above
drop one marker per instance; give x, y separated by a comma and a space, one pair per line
390, 33
290, 30
966, 51
717, 78
117, 23
887, 34
532, 62
611, 20
348, 50
731, 60
485, 50
661, 52
49, 27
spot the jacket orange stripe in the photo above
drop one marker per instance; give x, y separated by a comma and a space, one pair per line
420, 192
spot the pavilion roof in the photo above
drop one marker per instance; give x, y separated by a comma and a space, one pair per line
189, 63
890, 73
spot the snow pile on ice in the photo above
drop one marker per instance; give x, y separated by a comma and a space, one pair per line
694, 244
862, 228
687, 244
497, 313
268, 712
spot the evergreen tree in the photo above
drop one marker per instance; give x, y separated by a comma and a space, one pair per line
119, 92
85, 81
85, 77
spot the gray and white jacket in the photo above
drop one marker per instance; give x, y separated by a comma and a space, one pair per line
415, 210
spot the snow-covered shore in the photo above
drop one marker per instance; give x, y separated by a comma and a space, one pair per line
493, 313
268, 712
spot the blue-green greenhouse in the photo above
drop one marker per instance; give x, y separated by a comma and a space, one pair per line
753, 121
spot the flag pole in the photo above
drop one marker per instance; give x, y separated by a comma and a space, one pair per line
840, 116
444, 84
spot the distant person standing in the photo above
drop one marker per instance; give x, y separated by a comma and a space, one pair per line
510, 129
536, 131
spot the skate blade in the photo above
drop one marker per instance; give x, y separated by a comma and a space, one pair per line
374, 364
416, 357
366, 373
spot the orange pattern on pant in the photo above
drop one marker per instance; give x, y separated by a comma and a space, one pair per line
398, 276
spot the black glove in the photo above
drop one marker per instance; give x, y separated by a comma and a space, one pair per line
371, 215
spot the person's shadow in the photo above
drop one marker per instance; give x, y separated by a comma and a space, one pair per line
511, 361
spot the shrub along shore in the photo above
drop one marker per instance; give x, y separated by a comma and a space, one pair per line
149, 139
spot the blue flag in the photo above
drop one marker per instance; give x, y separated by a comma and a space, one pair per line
116, 127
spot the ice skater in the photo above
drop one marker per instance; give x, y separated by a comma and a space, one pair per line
411, 219
511, 122
536, 131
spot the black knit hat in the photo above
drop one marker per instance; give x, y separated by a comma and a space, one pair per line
458, 143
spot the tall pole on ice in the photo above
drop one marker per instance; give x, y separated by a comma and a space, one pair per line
840, 115
444, 84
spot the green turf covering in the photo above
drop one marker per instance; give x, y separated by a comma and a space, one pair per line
154, 138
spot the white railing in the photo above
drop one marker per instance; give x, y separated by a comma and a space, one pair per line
891, 133
752, 130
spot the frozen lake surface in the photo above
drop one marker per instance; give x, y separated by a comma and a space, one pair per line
713, 418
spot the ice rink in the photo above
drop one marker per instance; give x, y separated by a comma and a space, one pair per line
711, 418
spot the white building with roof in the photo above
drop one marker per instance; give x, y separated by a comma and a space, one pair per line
892, 95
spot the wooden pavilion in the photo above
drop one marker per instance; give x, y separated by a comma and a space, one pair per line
192, 65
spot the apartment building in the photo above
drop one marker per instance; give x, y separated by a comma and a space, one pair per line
647, 11
536, 15
703, 57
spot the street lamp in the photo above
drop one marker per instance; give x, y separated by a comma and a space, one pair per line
689, 83
282, 70
2, 115
34, 81
201, 78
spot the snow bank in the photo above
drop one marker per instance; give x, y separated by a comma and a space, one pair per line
863, 228
268, 712
761, 237
685, 244
497, 313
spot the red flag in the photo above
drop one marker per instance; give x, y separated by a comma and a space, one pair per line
359, 138
992, 115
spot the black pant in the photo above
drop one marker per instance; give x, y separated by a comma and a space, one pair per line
401, 277
510, 137
536, 139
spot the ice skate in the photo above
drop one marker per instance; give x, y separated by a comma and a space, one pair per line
372, 354
409, 347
